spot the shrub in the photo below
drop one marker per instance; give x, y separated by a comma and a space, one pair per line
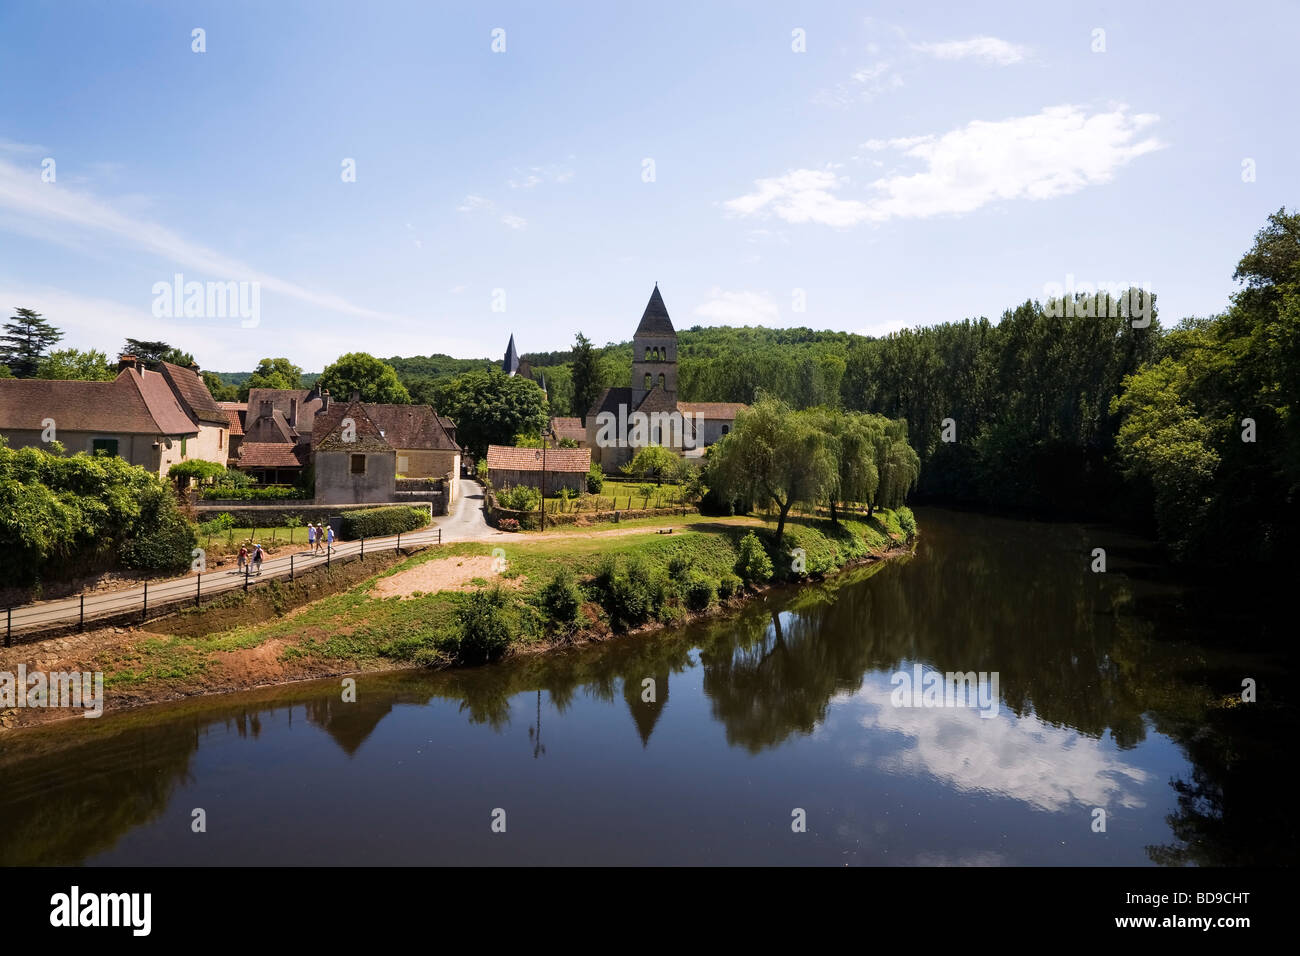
698, 591
482, 628
753, 566
217, 524
645, 491
376, 522
520, 498
251, 493
625, 592
679, 564
595, 479
183, 471
906, 521
729, 586
508, 524
167, 540
561, 599
481, 470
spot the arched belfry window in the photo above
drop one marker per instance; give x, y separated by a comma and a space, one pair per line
661, 379
648, 352
647, 381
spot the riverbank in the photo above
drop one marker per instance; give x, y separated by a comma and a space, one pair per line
411, 614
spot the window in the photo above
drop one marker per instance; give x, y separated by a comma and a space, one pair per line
106, 445
661, 379
647, 353
358, 464
725, 429
183, 447
221, 438
647, 380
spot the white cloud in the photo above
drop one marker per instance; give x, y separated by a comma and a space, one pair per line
986, 49
739, 308
1055, 152
515, 222
867, 83
802, 195
65, 215
472, 202
528, 182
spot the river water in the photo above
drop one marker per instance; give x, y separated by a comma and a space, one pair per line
772, 736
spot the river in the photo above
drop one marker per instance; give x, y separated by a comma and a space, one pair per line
771, 736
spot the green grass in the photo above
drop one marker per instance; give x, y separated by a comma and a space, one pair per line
362, 631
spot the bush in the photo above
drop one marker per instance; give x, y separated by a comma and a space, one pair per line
561, 599
251, 493
906, 521
679, 564
377, 522
520, 498
508, 524
167, 541
626, 593
729, 586
482, 628
753, 566
217, 524
595, 479
481, 470
698, 591
183, 471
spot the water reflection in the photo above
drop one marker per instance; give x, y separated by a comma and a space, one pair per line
1109, 691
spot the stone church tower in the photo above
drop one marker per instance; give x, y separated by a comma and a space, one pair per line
654, 352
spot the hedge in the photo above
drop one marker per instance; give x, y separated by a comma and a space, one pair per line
379, 522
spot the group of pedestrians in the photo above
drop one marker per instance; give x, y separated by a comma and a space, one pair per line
319, 536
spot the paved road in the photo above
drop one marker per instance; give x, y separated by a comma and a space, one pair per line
466, 523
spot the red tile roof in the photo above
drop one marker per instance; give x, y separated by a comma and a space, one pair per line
193, 393
131, 404
569, 428
506, 458
259, 454
235, 412
328, 434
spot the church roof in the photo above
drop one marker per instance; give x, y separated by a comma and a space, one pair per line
655, 321
510, 364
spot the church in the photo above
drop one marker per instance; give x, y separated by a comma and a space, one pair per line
625, 419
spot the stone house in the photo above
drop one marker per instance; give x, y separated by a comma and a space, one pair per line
565, 468
151, 417
353, 461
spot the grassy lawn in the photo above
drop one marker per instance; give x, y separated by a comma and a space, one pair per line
361, 631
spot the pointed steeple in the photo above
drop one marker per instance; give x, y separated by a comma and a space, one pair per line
655, 320
510, 365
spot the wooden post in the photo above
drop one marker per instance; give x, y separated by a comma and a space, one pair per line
81, 618
291, 567
144, 610
198, 588
9, 627
363, 547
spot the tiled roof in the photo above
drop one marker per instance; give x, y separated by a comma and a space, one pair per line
610, 400
657, 400
109, 407
259, 454
194, 394
164, 407
568, 428
714, 410
655, 321
506, 458
309, 404
329, 436
235, 412
270, 428
416, 427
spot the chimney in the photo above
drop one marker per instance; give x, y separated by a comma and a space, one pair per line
324, 399
265, 410
293, 413
127, 361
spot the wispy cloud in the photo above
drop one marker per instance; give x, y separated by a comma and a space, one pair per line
983, 48
473, 203
1055, 152
68, 215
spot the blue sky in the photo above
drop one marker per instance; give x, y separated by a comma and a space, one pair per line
909, 166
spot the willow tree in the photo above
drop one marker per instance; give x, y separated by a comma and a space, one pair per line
897, 465
775, 454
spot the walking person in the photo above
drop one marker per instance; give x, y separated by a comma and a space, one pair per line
329, 545
320, 537
243, 557
311, 537
257, 558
